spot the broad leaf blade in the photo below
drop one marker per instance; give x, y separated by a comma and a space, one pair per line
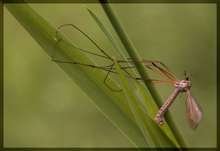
113, 104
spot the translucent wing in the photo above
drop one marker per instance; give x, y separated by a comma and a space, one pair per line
193, 111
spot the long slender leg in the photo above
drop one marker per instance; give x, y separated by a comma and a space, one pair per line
166, 72
86, 37
106, 79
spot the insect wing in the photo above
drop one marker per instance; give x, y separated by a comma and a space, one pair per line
193, 111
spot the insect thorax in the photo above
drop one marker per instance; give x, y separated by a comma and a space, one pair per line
183, 85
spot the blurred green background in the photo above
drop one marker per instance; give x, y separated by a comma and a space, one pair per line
44, 108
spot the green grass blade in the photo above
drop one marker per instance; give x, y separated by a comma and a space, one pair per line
113, 104
134, 107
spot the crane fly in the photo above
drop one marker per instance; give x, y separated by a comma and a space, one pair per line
193, 109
